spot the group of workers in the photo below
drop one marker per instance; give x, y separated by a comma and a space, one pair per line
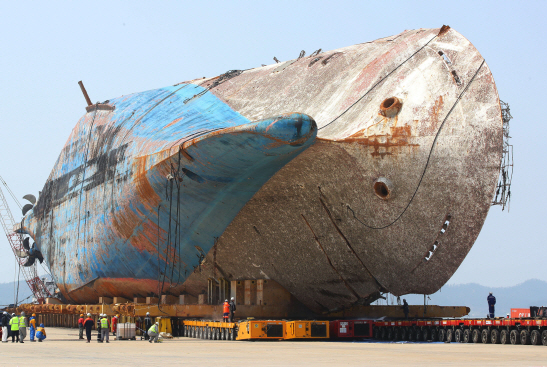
228, 310
103, 327
16, 327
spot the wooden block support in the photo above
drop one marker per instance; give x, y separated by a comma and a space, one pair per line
168, 300
120, 300
139, 300
105, 300
201, 299
151, 300
187, 299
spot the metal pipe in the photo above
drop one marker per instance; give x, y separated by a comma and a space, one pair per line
85, 93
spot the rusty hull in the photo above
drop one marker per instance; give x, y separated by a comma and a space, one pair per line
390, 197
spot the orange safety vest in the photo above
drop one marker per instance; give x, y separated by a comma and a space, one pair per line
226, 307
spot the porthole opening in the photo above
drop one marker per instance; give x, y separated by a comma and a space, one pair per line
388, 102
381, 190
390, 107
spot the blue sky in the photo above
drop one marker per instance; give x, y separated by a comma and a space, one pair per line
118, 48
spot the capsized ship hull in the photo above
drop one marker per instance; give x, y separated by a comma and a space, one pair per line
390, 196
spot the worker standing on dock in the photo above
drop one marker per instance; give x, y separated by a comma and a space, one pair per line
99, 340
40, 333
114, 324
491, 302
225, 311
22, 327
405, 308
5, 323
88, 324
81, 326
232, 309
105, 330
32, 325
147, 325
14, 323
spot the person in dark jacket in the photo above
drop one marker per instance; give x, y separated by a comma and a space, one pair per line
88, 324
491, 302
5, 323
147, 325
405, 308
232, 309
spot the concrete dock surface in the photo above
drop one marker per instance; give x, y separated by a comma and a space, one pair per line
62, 348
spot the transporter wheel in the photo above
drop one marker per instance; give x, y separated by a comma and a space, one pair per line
442, 335
458, 336
389, 334
419, 335
225, 334
425, 334
413, 335
216, 334
231, 334
396, 334
485, 336
476, 336
535, 337
544, 337
467, 336
375, 333
200, 335
504, 337
383, 333
193, 332
434, 335
495, 336
449, 335
524, 337
209, 333
514, 337
404, 334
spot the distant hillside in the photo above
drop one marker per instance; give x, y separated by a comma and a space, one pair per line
532, 292
7, 292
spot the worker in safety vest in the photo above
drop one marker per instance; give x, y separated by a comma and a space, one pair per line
14, 324
40, 333
115, 324
32, 324
5, 323
226, 311
154, 332
81, 326
491, 302
105, 330
88, 324
22, 327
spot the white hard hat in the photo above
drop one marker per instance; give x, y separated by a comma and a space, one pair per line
233, 298
225, 300
157, 323
148, 313
89, 315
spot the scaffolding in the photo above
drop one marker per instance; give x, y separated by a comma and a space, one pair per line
503, 188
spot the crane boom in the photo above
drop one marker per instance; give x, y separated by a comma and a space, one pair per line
15, 240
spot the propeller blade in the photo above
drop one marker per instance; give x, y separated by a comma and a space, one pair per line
30, 198
39, 256
26, 243
30, 261
21, 254
26, 208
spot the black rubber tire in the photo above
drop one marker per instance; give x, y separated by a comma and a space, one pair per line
434, 335
426, 335
476, 336
216, 334
419, 335
442, 335
225, 334
458, 336
389, 334
535, 337
467, 336
404, 334
201, 332
524, 337
495, 336
194, 331
449, 335
504, 337
485, 336
376, 333
544, 337
412, 336
397, 334
383, 333
231, 334
514, 336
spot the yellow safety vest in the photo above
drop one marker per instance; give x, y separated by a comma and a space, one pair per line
22, 322
14, 322
104, 323
153, 329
